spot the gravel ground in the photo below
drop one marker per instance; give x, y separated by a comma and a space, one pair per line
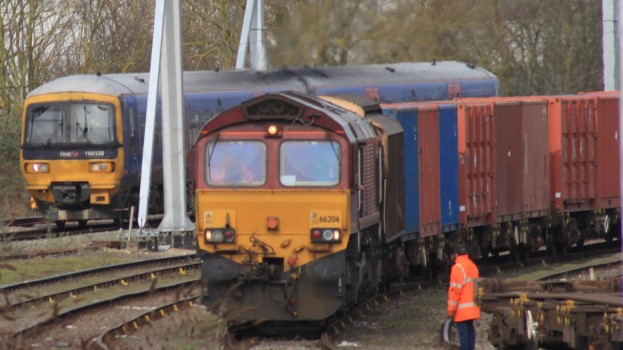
411, 322
400, 324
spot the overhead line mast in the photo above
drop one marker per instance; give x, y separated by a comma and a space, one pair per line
253, 29
166, 59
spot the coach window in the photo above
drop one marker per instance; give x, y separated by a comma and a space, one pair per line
309, 163
235, 163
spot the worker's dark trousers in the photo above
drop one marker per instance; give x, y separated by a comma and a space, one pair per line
467, 334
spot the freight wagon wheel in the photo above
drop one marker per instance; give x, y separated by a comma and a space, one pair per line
60, 224
525, 251
550, 244
513, 250
606, 228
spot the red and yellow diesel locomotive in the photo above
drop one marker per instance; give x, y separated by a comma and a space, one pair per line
290, 218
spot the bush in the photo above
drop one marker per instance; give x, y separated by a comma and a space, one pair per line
14, 200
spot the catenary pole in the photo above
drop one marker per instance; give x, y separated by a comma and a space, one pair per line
152, 95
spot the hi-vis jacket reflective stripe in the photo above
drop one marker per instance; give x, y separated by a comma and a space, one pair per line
463, 287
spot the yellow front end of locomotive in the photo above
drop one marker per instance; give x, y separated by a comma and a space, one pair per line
287, 228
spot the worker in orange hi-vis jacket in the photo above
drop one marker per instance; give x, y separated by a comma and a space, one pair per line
462, 307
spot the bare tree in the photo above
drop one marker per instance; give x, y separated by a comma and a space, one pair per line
211, 32
111, 36
32, 37
535, 47
322, 32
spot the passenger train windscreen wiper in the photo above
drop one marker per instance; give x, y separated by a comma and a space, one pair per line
84, 130
58, 128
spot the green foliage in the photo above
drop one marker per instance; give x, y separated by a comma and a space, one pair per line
13, 199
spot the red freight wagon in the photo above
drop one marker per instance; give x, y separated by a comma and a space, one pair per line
522, 171
585, 166
504, 171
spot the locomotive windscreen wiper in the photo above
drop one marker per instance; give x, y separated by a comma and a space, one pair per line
212, 150
337, 155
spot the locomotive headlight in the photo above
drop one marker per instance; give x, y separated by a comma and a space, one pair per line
316, 234
326, 235
228, 235
217, 235
337, 235
37, 168
101, 167
272, 130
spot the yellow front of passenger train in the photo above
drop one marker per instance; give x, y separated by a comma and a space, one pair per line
72, 140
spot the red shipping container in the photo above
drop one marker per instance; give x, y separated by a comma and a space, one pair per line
608, 151
533, 156
573, 152
508, 164
476, 158
428, 149
536, 162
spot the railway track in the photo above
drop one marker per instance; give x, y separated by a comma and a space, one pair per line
32, 306
119, 329
24, 221
35, 228
567, 308
489, 268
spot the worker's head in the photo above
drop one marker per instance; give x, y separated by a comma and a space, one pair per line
460, 249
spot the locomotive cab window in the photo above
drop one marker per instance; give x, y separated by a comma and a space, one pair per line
236, 163
309, 163
70, 123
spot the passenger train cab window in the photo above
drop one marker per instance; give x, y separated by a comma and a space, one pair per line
309, 163
94, 123
70, 123
236, 163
